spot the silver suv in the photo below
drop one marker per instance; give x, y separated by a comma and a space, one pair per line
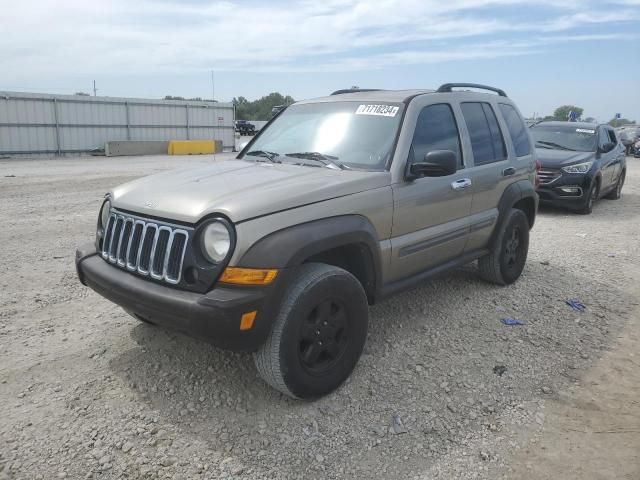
337, 203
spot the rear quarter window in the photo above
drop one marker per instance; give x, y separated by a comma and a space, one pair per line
517, 130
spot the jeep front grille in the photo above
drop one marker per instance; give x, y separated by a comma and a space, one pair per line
145, 247
548, 175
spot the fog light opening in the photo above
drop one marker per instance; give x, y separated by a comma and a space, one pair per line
576, 191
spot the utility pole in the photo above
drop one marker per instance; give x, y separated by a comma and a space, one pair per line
213, 87
95, 90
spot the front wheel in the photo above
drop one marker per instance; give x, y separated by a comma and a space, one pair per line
318, 335
592, 196
617, 192
508, 255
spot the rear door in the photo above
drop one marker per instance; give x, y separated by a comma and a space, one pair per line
618, 154
430, 220
492, 172
606, 159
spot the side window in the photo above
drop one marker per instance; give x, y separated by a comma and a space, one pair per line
604, 137
517, 130
612, 136
436, 129
486, 139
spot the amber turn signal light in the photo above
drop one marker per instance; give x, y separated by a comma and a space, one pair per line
246, 321
248, 276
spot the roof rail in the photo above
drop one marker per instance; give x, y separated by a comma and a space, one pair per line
447, 87
354, 90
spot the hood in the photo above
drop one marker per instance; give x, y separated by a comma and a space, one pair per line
239, 189
561, 158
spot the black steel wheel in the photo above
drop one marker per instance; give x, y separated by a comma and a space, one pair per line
617, 192
508, 253
318, 335
324, 336
592, 196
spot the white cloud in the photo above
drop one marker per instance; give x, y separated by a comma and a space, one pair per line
48, 38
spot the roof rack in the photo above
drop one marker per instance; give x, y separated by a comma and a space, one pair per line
447, 87
355, 90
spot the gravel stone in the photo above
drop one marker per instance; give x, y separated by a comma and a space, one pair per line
443, 390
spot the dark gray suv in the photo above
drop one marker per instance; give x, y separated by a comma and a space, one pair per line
337, 203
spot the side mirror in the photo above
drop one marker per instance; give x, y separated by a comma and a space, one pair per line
437, 163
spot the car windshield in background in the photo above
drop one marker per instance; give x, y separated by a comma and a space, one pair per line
564, 137
354, 135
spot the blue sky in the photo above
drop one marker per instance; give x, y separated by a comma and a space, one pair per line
544, 53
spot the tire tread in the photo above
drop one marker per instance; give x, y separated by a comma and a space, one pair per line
489, 265
267, 359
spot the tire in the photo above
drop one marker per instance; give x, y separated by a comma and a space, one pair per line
591, 199
616, 193
505, 262
318, 335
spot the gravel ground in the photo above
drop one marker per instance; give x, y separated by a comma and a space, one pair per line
443, 390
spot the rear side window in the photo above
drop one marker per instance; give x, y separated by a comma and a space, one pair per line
436, 129
486, 139
612, 136
517, 130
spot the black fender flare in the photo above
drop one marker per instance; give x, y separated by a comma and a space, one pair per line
512, 195
291, 246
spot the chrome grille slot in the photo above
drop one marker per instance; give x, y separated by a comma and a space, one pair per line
134, 245
548, 175
115, 239
176, 253
125, 238
145, 247
159, 252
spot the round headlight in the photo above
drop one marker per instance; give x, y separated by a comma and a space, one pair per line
104, 214
216, 241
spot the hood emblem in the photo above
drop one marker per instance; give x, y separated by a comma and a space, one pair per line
150, 204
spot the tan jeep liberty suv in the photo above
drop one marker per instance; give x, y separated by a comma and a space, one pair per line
337, 203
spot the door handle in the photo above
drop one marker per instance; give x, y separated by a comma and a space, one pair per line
461, 184
508, 172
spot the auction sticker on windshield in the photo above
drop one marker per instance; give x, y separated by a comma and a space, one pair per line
585, 130
380, 110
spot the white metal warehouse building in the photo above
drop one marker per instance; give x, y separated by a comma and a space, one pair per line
32, 123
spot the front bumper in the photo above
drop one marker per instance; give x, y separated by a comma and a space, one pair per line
553, 194
213, 316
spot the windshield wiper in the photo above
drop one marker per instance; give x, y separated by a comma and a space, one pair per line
329, 161
554, 145
271, 156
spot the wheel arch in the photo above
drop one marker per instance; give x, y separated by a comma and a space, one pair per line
346, 241
520, 195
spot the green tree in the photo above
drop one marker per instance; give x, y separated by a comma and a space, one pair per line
260, 109
616, 122
562, 113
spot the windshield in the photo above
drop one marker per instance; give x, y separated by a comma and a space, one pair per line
564, 137
347, 134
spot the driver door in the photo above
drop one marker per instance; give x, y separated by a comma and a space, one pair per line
430, 220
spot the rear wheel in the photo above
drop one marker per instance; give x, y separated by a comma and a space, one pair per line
505, 262
592, 196
617, 192
319, 333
